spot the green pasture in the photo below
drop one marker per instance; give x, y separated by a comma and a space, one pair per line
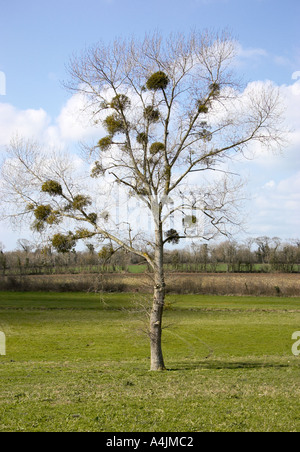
79, 362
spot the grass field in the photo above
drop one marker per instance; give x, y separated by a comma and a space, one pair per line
76, 362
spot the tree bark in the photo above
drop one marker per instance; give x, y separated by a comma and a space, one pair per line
157, 360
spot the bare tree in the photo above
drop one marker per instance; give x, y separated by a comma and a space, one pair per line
173, 118
25, 245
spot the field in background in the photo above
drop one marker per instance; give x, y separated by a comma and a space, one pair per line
255, 284
79, 362
142, 268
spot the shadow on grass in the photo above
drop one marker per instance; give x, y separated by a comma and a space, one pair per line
219, 365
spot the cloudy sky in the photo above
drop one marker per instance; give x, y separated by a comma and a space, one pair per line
38, 38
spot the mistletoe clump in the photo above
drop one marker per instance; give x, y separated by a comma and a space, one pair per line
215, 89
92, 217
80, 202
97, 170
158, 80
172, 237
142, 138
52, 187
202, 107
156, 147
151, 114
105, 143
206, 135
114, 124
120, 102
63, 243
44, 215
42, 212
106, 252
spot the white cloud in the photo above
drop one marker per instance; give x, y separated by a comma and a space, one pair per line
290, 187
27, 123
71, 126
250, 53
74, 122
276, 209
288, 159
252, 56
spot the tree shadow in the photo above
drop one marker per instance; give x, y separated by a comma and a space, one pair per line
228, 365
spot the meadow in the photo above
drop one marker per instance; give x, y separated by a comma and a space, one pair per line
79, 362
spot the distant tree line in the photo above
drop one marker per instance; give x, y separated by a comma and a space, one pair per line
261, 254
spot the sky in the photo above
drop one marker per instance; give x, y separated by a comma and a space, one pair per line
37, 39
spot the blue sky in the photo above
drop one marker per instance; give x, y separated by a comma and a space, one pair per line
38, 37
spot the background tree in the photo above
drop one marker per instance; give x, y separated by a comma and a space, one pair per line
3, 259
169, 113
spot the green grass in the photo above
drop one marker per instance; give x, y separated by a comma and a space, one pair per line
78, 363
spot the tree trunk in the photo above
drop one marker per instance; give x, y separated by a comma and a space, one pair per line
157, 361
